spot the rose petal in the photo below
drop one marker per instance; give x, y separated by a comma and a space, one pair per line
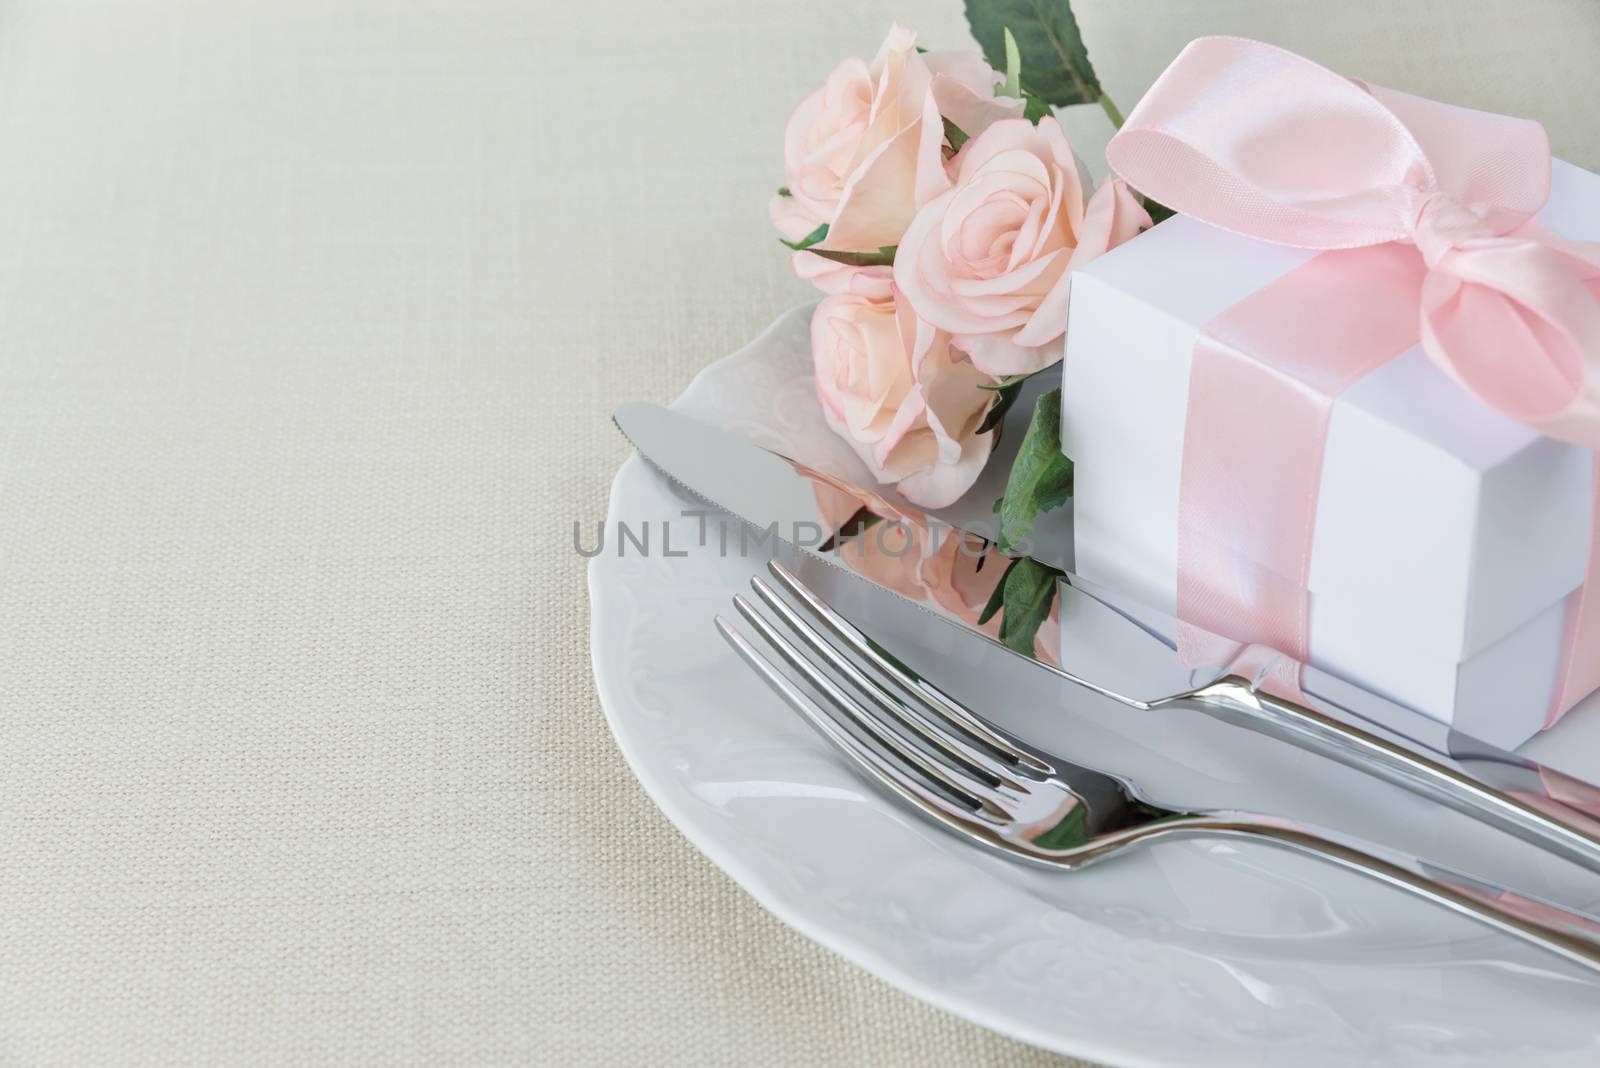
1000, 355
1114, 215
880, 199
965, 68
791, 218
831, 276
943, 484
1049, 320
931, 177
964, 85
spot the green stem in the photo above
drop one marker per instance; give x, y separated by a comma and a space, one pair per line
1111, 111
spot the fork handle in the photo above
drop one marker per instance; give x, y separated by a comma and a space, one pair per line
1569, 934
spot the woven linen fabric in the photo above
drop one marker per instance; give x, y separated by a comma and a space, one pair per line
312, 313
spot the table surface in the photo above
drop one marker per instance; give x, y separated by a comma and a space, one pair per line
311, 317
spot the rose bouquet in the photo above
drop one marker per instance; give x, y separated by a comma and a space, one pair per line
935, 201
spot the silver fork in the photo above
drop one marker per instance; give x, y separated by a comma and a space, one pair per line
995, 789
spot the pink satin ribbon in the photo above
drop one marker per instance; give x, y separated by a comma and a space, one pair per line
1580, 670
1424, 213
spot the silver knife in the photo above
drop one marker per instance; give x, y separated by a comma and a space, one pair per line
1336, 719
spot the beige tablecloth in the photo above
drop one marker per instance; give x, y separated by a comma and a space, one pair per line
311, 315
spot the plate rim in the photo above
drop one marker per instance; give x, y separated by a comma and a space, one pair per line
747, 878
752, 883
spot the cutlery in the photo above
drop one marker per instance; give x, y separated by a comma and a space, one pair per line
1123, 647
990, 787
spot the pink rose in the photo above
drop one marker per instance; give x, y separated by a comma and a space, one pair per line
892, 386
863, 152
988, 260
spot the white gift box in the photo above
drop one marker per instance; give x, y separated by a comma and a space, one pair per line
1449, 539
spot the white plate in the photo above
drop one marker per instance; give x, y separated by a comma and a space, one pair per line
1190, 953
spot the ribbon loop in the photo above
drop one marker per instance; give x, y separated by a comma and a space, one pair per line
1514, 321
1266, 143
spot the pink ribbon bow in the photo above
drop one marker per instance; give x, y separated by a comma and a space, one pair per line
1257, 140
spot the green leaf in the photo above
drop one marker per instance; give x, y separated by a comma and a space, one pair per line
1029, 591
1006, 383
1008, 392
1024, 593
955, 135
1013, 86
1041, 478
881, 258
1035, 108
1068, 834
1158, 212
1055, 63
783, 191
814, 237
997, 596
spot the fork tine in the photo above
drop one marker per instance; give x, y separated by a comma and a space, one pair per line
957, 807
933, 729
950, 778
925, 692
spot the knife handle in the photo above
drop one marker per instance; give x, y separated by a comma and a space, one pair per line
1530, 814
